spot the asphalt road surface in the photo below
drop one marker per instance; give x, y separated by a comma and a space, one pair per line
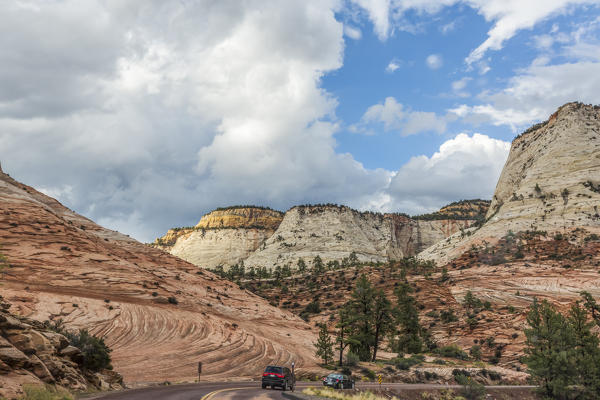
245, 391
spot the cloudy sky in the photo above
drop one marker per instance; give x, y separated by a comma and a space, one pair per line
143, 115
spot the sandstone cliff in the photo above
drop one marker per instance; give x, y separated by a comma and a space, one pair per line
551, 182
222, 237
266, 238
159, 314
334, 232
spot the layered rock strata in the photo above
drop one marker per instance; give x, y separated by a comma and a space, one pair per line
159, 314
550, 182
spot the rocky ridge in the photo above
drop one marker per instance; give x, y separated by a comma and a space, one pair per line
222, 237
330, 231
159, 314
550, 182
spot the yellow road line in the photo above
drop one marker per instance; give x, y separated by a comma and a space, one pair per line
210, 395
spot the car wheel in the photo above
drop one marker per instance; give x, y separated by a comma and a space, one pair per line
352, 386
264, 386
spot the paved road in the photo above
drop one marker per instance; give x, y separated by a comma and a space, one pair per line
248, 391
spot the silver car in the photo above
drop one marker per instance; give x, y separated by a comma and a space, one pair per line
338, 381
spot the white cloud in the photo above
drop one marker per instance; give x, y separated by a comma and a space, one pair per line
393, 66
394, 117
154, 113
378, 11
508, 16
434, 61
465, 167
352, 32
535, 94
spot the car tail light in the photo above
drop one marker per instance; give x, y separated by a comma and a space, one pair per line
337, 380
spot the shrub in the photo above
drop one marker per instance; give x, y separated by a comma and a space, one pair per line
448, 316
33, 392
352, 359
173, 300
369, 374
470, 390
96, 354
405, 363
313, 307
452, 351
475, 352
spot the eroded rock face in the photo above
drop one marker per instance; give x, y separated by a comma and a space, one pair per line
27, 355
334, 232
222, 237
551, 182
159, 314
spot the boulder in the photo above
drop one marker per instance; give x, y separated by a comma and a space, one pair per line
40, 370
41, 343
73, 353
22, 341
58, 341
10, 322
13, 357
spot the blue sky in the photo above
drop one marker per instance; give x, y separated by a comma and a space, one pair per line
144, 115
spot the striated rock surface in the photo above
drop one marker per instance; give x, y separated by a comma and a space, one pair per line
551, 182
32, 354
159, 314
222, 237
241, 217
334, 232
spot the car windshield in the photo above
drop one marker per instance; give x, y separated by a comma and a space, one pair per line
275, 370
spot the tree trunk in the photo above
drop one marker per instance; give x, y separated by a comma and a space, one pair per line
376, 343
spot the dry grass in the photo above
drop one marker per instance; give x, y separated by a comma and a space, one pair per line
341, 395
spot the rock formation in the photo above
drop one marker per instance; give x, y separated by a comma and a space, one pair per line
334, 232
222, 237
266, 238
159, 314
551, 182
30, 353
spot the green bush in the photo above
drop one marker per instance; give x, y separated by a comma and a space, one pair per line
470, 390
352, 359
45, 393
405, 363
96, 354
452, 351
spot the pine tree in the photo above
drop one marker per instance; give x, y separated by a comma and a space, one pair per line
301, 266
587, 353
361, 312
344, 331
550, 350
409, 332
324, 345
382, 319
318, 266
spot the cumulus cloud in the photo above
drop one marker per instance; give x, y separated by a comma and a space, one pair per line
395, 117
393, 66
464, 167
508, 16
352, 32
434, 61
144, 115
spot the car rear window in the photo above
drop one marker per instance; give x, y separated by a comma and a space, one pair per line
276, 370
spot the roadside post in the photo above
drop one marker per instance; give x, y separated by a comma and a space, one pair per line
379, 379
293, 376
199, 370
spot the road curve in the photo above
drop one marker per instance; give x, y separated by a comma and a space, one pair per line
251, 391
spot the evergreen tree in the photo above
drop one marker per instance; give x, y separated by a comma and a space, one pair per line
550, 356
587, 354
318, 266
301, 266
410, 334
324, 345
361, 312
382, 319
353, 259
343, 338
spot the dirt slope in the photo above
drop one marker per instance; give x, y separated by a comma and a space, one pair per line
63, 265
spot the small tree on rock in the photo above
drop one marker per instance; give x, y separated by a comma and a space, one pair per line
324, 345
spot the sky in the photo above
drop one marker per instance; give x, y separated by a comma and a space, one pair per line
144, 115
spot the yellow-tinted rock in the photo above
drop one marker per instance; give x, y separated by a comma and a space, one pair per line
241, 217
